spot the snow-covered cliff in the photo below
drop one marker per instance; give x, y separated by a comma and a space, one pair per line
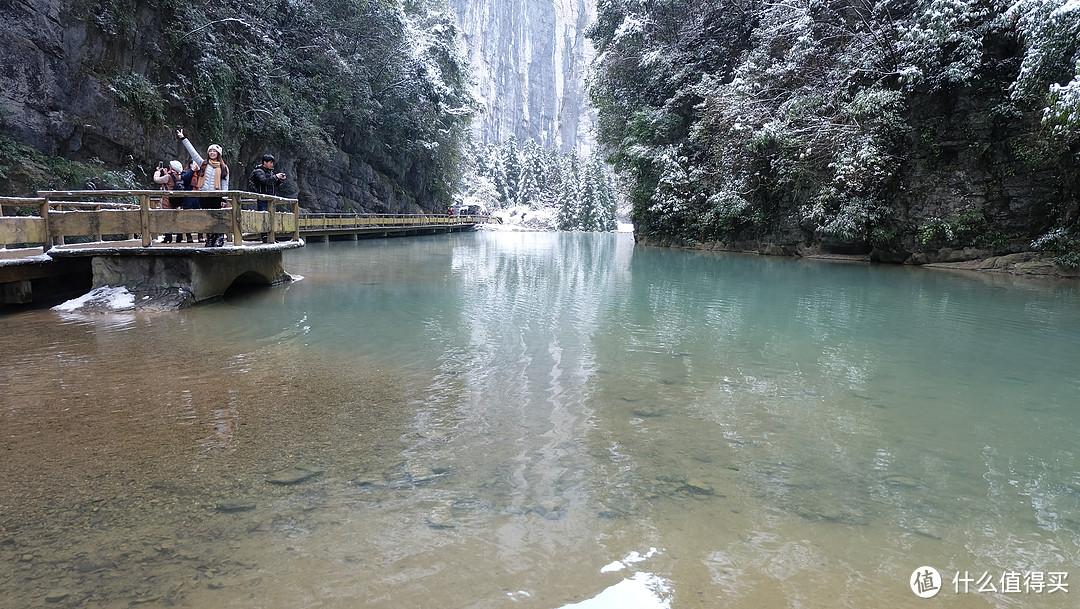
529, 60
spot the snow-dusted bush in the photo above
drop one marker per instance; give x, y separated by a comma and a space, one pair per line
1060, 243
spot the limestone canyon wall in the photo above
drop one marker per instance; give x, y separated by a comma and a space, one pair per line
529, 60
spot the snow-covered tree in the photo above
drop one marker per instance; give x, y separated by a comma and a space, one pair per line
580, 195
1051, 67
742, 119
510, 157
567, 197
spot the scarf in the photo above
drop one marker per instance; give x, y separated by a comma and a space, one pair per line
219, 169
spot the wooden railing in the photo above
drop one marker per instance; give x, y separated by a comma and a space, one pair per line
324, 222
97, 213
131, 214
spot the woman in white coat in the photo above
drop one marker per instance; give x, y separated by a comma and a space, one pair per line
213, 174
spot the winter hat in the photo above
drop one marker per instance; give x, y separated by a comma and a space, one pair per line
176, 166
214, 147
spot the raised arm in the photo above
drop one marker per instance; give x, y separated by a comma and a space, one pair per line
191, 150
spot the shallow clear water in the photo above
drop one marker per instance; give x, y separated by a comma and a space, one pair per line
547, 420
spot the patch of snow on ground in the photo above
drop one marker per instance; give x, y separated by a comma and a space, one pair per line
524, 218
117, 299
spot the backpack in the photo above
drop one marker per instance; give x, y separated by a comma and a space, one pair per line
175, 182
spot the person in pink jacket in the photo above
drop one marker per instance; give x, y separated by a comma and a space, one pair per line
169, 179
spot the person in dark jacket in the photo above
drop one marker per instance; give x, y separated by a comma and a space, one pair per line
265, 181
188, 178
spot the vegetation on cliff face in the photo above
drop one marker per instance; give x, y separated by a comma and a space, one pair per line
337, 88
36, 171
887, 125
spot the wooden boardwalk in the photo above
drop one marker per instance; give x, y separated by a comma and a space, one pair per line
29, 226
42, 237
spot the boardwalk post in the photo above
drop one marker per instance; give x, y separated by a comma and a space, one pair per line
296, 214
48, 230
144, 220
59, 239
271, 207
97, 236
238, 237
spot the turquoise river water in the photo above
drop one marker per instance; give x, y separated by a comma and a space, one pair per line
549, 421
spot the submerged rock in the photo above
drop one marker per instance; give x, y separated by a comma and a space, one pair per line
617, 508
699, 487
235, 504
293, 475
55, 596
440, 517
369, 481
829, 514
902, 481
417, 473
549, 510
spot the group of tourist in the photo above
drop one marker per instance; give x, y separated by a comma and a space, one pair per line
210, 174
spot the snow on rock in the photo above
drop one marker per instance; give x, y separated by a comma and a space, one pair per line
103, 298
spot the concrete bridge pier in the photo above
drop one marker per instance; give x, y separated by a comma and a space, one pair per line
163, 277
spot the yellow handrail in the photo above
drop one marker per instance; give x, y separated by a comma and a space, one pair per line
73, 213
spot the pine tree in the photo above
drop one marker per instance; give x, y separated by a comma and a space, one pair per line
511, 166
497, 174
535, 169
554, 179
531, 176
605, 197
568, 201
588, 201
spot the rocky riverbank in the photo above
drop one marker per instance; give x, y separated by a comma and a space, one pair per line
1034, 264
1025, 263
